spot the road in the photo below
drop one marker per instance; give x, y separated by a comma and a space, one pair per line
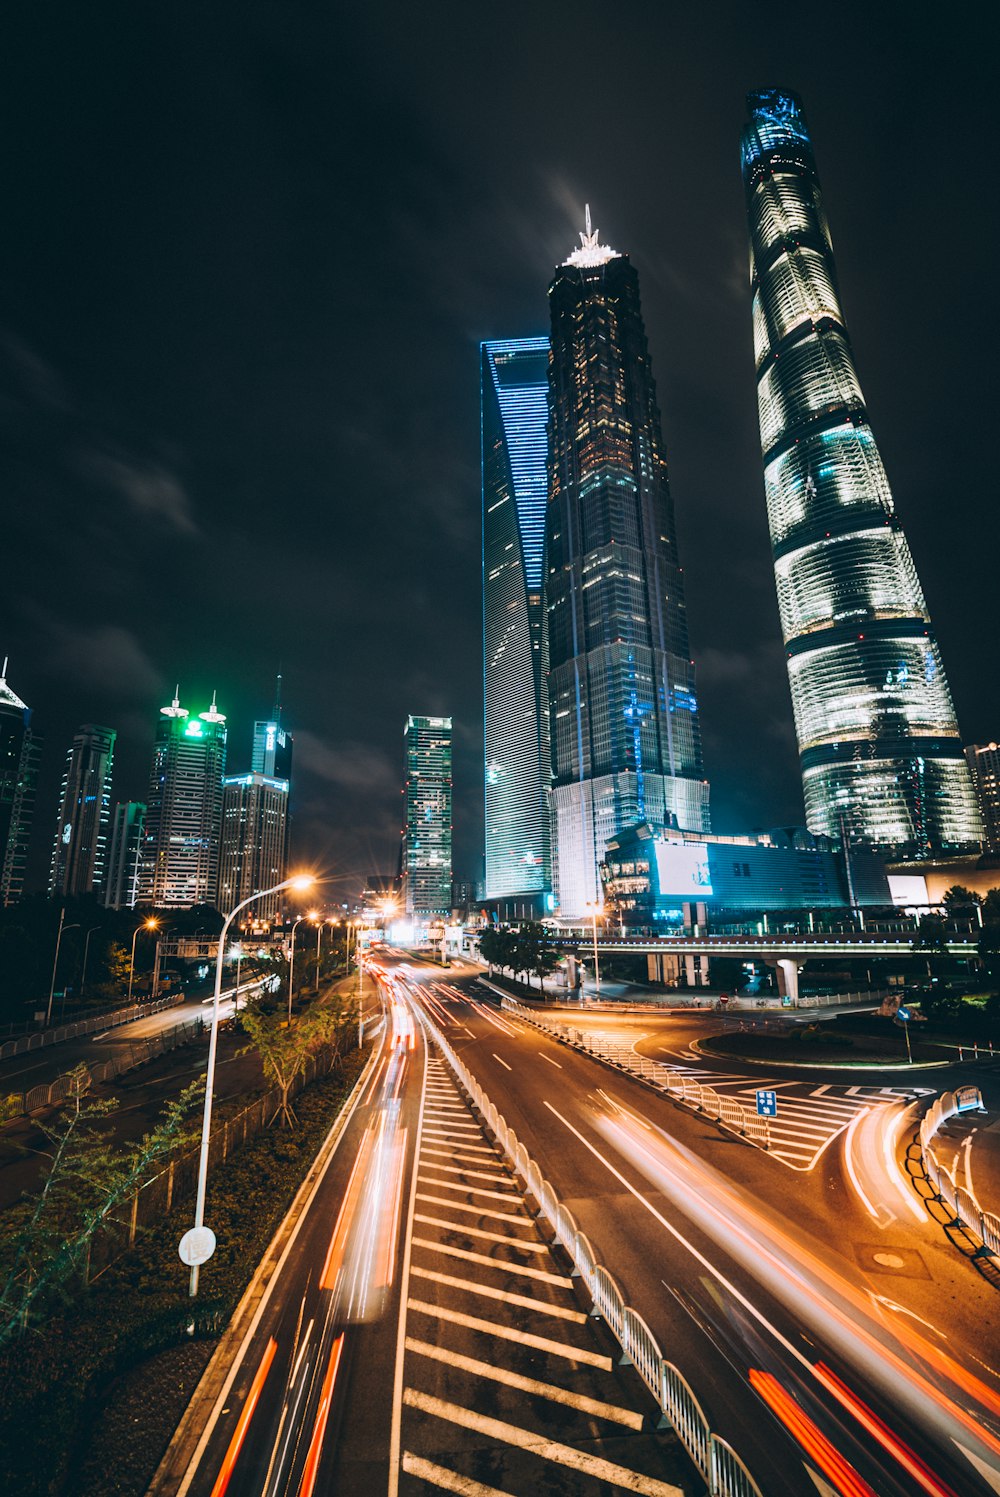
817, 1325
418, 1334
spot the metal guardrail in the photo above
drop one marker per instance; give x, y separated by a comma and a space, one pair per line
722, 1110
50, 1093
42, 1037
718, 1463
962, 1206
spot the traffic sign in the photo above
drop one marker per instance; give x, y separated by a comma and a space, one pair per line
767, 1104
197, 1246
968, 1097
902, 1014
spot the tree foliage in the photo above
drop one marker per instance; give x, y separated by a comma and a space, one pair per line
89, 1182
526, 951
285, 1049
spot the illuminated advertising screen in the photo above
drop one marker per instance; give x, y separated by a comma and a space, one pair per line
682, 869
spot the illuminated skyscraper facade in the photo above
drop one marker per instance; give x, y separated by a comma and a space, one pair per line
20, 756
179, 865
121, 885
515, 409
80, 847
253, 850
623, 711
427, 834
878, 742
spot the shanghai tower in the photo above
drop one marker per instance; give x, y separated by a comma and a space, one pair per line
879, 748
623, 713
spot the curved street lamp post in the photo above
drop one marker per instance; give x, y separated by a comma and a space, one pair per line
198, 1243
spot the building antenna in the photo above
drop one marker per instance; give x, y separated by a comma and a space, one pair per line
277, 700
3, 673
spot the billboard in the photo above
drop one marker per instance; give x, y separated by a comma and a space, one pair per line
682, 869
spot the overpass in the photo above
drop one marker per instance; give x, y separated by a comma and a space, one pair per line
786, 952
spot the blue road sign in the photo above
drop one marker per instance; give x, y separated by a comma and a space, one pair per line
767, 1104
902, 1014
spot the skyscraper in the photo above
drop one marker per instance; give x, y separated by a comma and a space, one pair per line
79, 850
879, 748
623, 713
121, 884
515, 409
427, 835
983, 760
180, 846
253, 853
20, 755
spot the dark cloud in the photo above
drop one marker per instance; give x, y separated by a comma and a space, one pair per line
250, 251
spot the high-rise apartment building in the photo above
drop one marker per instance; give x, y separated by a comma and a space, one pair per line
253, 854
20, 756
623, 711
427, 834
983, 760
879, 748
180, 846
80, 847
121, 883
515, 408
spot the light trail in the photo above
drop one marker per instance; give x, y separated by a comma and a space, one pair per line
872, 1166
808, 1434
308, 1481
243, 1423
813, 1291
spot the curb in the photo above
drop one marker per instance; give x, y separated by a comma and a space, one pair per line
184, 1441
830, 1065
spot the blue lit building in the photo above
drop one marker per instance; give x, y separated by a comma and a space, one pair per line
622, 705
879, 748
515, 488
179, 859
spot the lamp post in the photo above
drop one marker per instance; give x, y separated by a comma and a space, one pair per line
198, 1244
319, 933
55, 961
291, 962
149, 924
86, 951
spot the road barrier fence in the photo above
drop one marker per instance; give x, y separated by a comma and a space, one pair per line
963, 1208
51, 1093
716, 1460
727, 1112
39, 1038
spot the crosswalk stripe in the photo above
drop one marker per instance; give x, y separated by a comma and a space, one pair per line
471, 1148
550, 1450
551, 1391
509, 1333
543, 1275
448, 1481
503, 1216
470, 1287
464, 1231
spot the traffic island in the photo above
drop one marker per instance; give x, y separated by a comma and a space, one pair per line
821, 1046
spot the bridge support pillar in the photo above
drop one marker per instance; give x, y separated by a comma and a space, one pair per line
788, 979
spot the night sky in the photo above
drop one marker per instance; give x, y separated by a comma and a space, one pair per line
249, 251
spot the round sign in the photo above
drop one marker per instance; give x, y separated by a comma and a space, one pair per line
197, 1246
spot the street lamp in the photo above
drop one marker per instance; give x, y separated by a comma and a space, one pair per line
291, 955
55, 961
149, 924
86, 949
198, 1244
319, 933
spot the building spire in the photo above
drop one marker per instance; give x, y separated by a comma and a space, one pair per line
277, 700
591, 252
175, 709
213, 715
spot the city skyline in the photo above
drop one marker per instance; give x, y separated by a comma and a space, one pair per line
230, 467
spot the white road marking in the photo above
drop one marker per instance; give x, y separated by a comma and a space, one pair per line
464, 1231
457, 1155
551, 1061
542, 1275
526, 1303
551, 1391
550, 1450
454, 1169
502, 1062
469, 1190
509, 1333
503, 1216
448, 1481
